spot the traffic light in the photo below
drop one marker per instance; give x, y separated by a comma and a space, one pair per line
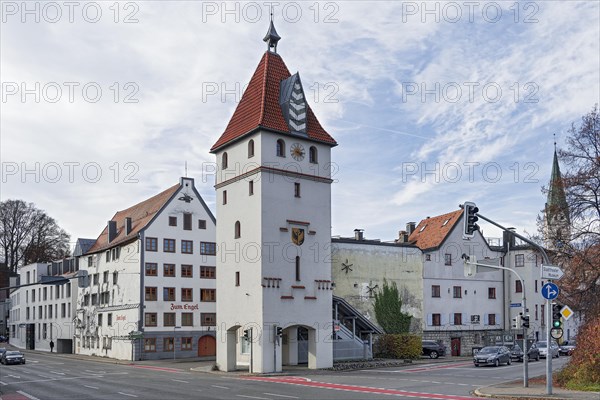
246, 334
278, 331
470, 219
515, 322
556, 316
525, 319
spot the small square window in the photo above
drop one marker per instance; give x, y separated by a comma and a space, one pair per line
187, 247
201, 224
172, 221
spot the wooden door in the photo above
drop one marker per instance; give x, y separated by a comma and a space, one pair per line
455, 346
207, 346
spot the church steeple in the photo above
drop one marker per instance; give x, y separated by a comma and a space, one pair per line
557, 221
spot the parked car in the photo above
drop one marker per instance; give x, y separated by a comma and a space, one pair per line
2, 351
492, 355
543, 346
516, 353
12, 357
3, 339
567, 348
433, 349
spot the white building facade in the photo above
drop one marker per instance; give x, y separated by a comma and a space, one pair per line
43, 314
274, 232
152, 272
462, 312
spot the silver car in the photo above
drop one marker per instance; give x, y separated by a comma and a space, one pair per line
543, 347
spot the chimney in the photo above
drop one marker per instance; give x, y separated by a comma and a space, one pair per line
127, 225
112, 230
402, 237
410, 227
508, 239
358, 234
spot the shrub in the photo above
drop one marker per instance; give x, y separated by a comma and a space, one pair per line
583, 370
398, 346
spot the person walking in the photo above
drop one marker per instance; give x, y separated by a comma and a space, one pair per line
51, 346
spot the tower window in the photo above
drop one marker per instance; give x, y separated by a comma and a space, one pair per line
237, 278
312, 155
297, 268
224, 196
250, 188
238, 229
251, 148
280, 148
224, 161
297, 189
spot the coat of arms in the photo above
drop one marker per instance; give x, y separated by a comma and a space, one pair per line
297, 236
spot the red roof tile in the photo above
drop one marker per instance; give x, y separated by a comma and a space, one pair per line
141, 214
259, 106
431, 232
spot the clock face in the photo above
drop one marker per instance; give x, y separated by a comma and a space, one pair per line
297, 151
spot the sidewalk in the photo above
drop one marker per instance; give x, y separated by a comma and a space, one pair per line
515, 390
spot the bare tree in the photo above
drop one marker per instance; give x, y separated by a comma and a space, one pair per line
581, 255
29, 235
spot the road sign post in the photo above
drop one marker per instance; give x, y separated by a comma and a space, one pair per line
549, 292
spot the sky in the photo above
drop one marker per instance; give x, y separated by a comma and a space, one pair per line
432, 103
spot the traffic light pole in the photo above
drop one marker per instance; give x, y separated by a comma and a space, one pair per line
548, 306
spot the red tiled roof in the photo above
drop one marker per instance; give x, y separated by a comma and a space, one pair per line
141, 214
434, 232
259, 106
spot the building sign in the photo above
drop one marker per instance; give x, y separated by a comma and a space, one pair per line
190, 307
121, 318
475, 319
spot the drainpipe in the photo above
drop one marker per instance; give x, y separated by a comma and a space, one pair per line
142, 269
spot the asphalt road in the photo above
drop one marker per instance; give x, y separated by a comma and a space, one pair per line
49, 377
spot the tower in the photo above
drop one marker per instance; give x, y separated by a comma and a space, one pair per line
557, 225
273, 191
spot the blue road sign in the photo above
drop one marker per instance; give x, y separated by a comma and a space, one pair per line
550, 291
515, 305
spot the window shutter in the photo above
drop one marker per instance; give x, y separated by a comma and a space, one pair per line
429, 319
486, 320
464, 319
451, 319
443, 321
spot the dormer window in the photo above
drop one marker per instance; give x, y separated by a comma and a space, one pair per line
422, 228
446, 222
280, 148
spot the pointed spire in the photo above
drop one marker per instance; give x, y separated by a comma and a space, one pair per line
557, 200
272, 37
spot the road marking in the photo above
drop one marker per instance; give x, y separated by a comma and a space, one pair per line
14, 376
179, 380
91, 387
3, 384
68, 378
252, 397
22, 393
156, 368
281, 395
127, 394
57, 373
358, 389
220, 387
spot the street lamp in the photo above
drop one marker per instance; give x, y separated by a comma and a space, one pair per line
175, 327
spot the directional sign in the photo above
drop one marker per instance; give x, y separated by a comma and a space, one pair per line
551, 272
515, 305
550, 291
566, 312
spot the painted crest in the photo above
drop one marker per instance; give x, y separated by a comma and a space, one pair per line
297, 236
